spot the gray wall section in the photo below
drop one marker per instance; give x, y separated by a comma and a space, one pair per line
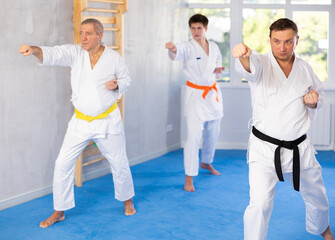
153, 101
34, 101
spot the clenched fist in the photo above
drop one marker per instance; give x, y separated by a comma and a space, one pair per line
241, 51
26, 50
111, 85
171, 46
311, 99
218, 70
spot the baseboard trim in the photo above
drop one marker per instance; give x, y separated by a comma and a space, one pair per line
234, 146
222, 146
25, 197
156, 154
28, 196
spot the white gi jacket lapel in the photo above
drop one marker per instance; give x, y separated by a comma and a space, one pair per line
211, 64
204, 61
278, 85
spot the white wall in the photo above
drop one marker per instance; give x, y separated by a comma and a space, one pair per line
153, 101
34, 101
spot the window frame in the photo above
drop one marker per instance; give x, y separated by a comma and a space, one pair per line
236, 7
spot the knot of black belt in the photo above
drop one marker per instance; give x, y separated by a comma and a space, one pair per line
293, 145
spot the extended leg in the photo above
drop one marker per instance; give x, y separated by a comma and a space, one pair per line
314, 195
114, 149
262, 182
191, 149
63, 194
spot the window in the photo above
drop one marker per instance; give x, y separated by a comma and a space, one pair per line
311, 2
218, 32
255, 29
313, 42
248, 21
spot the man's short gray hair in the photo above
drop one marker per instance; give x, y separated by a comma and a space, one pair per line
98, 28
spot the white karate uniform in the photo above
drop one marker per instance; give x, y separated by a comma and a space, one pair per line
90, 97
203, 116
279, 112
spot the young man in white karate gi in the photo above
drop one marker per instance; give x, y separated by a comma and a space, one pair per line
98, 78
285, 95
203, 101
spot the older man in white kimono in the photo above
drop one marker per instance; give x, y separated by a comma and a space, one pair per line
285, 95
203, 101
98, 78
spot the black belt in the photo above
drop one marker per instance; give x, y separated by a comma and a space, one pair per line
285, 144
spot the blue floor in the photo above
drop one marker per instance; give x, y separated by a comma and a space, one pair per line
165, 210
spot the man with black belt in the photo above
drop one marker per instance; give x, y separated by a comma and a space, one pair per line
285, 95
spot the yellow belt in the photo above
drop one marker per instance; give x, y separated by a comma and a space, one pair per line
100, 116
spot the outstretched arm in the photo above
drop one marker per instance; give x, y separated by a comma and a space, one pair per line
243, 52
27, 50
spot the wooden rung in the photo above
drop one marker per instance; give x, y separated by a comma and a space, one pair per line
108, 1
93, 161
90, 144
108, 20
101, 10
111, 29
90, 152
114, 47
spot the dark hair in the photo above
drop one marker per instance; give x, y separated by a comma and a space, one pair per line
98, 28
198, 18
283, 24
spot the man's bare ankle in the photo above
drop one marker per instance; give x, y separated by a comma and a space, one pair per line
189, 187
56, 216
129, 207
327, 234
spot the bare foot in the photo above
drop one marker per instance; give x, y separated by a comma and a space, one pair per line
189, 187
210, 168
129, 208
57, 216
328, 235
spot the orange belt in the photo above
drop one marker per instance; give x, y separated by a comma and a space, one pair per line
205, 88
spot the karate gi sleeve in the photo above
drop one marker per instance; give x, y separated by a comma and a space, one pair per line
182, 52
255, 67
122, 76
317, 85
58, 55
218, 60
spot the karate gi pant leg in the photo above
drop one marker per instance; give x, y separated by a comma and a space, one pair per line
211, 134
314, 195
196, 128
114, 149
262, 181
63, 181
